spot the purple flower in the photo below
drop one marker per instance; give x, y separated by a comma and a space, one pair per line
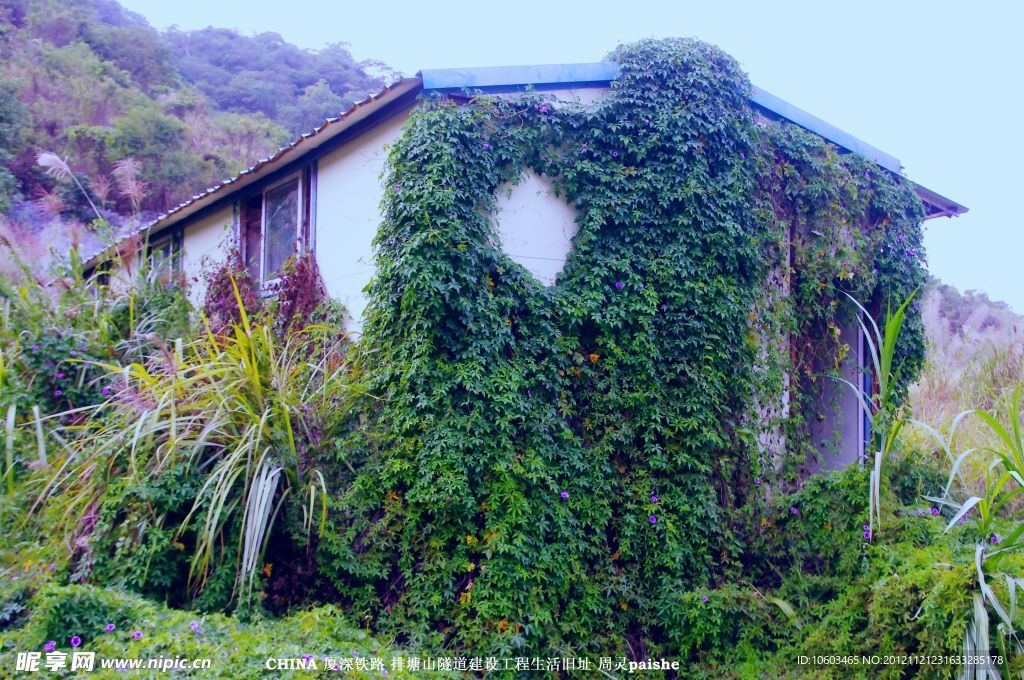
50, 646
583, 149
195, 628
60, 376
137, 635
544, 108
75, 641
564, 495
867, 535
654, 498
73, 353
994, 539
57, 393
53, 566
921, 512
106, 391
757, 480
615, 154
486, 146
794, 511
652, 519
34, 347
935, 511
619, 285
867, 174
109, 628
743, 156
867, 527
703, 598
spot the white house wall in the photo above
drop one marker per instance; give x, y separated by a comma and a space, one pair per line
204, 243
349, 188
534, 226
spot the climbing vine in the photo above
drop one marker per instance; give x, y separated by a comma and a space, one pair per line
563, 468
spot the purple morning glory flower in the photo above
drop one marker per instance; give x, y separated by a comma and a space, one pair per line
757, 480
619, 285
743, 156
867, 174
34, 347
867, 527
994, 539
60, 376
195, 628
137, 635
583, 149
106, 391
564, 494
935, 511
654, 498
794, 511
57, 393
109, 628
867, 535
703, 598
374, 650
615, 154
75, 641
652, 519
544, 108
50, 646
486, 146
53, 566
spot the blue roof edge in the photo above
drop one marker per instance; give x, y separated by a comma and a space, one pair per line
544, 74
601, 74
766, 100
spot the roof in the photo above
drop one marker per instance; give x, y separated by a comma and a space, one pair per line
505, 79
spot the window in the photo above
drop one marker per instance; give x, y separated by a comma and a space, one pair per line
274, 225
163, 255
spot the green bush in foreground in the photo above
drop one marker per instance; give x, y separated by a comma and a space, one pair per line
142, 629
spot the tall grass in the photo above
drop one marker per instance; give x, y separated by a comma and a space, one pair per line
242, 410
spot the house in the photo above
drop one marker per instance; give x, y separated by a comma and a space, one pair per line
322, 194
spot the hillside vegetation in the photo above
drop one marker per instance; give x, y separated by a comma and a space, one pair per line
144, 119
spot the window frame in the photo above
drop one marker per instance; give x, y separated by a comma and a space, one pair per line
173, 240
171, 267
301, 180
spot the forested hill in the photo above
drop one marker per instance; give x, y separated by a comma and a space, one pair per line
146, 118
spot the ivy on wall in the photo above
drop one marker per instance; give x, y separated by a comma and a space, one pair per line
562, 468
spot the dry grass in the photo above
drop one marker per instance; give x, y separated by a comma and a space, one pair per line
975, 356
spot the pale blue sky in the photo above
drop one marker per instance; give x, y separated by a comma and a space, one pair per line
936, 84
